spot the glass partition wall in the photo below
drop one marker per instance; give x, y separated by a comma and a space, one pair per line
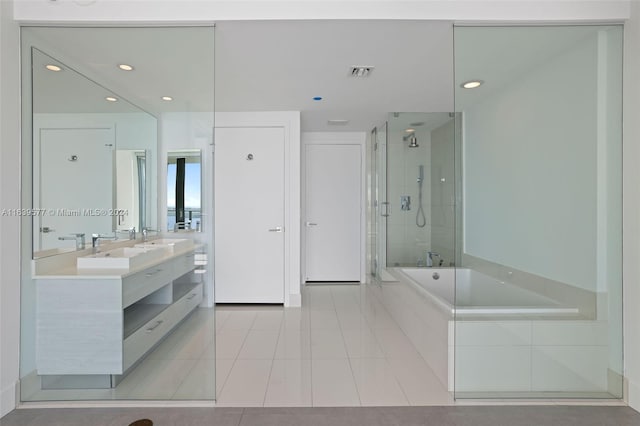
539, 288
497, 229
115, 304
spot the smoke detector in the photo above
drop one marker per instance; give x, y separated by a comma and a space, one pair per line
361, 70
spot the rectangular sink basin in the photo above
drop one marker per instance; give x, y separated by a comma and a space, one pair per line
169, 244
120, 258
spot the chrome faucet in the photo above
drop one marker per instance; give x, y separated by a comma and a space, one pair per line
430, 256
96, 237
131, 231
79, 239
145, 233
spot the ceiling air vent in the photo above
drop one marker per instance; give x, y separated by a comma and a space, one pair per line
337, 122
361, 71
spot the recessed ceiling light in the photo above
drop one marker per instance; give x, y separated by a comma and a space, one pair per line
52, 67
111, 99
472, 84
410, 130
167, 98
125, 67
317, 98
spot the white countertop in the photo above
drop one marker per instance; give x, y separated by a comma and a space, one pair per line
72, 272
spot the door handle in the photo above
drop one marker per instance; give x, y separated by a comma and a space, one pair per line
310, 224
276, 229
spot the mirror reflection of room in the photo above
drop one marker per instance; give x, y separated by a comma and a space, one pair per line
111, 290
184, 191
89, 160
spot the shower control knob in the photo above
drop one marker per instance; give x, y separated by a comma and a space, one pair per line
435, 276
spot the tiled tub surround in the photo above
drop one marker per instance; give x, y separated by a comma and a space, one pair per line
94, 325
499, 349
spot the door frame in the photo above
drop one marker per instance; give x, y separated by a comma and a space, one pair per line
290, 122
337, 138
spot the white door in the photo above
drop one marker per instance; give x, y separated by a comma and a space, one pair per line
333, 196
249, 215
75, 184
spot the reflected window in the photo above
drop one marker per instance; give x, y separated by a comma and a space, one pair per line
183, 191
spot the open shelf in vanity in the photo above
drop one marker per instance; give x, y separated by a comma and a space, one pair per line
101, 323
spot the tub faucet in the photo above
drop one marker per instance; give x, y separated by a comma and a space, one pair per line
79, 238
430, 256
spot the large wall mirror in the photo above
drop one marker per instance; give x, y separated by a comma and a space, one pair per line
94, 156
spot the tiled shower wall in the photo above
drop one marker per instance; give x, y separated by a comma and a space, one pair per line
407, 244
442, 190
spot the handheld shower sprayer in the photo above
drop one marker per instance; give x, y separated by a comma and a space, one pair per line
421, 221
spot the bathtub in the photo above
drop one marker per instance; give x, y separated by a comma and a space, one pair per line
462, 291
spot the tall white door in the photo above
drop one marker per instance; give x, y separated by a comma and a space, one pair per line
333, 196
75, 175
249, 215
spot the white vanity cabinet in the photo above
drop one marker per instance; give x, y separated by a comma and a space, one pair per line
102, 322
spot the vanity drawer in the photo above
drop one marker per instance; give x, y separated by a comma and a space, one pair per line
184, 263
191, 300
140, 342
136, 345
139, 285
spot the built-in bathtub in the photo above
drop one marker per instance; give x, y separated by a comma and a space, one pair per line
462, 291
498, 337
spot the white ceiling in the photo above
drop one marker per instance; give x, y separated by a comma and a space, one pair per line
271, 65
264, 66
282, 65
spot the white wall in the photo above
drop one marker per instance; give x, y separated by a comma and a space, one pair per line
9, 198
631, 211
522, 207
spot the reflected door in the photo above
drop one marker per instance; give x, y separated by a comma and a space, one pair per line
249, 215
75, 183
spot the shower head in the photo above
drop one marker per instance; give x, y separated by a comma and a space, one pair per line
413, 141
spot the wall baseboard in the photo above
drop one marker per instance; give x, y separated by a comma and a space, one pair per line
8, 399
632, 394
295, 300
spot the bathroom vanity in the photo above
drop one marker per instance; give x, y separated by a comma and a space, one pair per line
100, 314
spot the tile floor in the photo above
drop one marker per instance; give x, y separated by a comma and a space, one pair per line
341, 349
